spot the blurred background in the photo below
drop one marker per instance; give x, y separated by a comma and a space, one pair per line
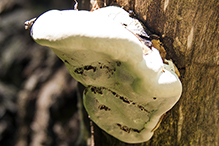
38, 98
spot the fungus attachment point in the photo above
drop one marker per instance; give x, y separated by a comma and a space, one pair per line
128, 87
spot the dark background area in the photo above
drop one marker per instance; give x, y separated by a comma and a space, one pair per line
38, 99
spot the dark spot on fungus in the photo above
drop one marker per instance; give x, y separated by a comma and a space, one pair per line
66, 61
142, 108
89, 67
154, 98
136, 130
106, 67
96, 90
103, 107
85, 90
127, 129
79, 70
96, 101
114, 93
118, 124
124, 24
124, 128
116, 83
118, 63
124, 99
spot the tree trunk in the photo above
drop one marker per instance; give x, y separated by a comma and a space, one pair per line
190, 34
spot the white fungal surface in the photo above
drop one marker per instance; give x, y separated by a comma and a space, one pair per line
126, 91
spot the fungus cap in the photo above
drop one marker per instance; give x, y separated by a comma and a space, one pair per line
126, 91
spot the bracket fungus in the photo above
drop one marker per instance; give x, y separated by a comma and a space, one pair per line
128, 87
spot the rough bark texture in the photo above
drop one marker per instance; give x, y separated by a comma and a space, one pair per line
38, 99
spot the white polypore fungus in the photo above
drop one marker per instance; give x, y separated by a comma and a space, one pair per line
126, 91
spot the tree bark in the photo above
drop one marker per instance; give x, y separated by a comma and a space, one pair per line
190, 34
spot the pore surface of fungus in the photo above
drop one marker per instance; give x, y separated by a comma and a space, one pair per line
127, 91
